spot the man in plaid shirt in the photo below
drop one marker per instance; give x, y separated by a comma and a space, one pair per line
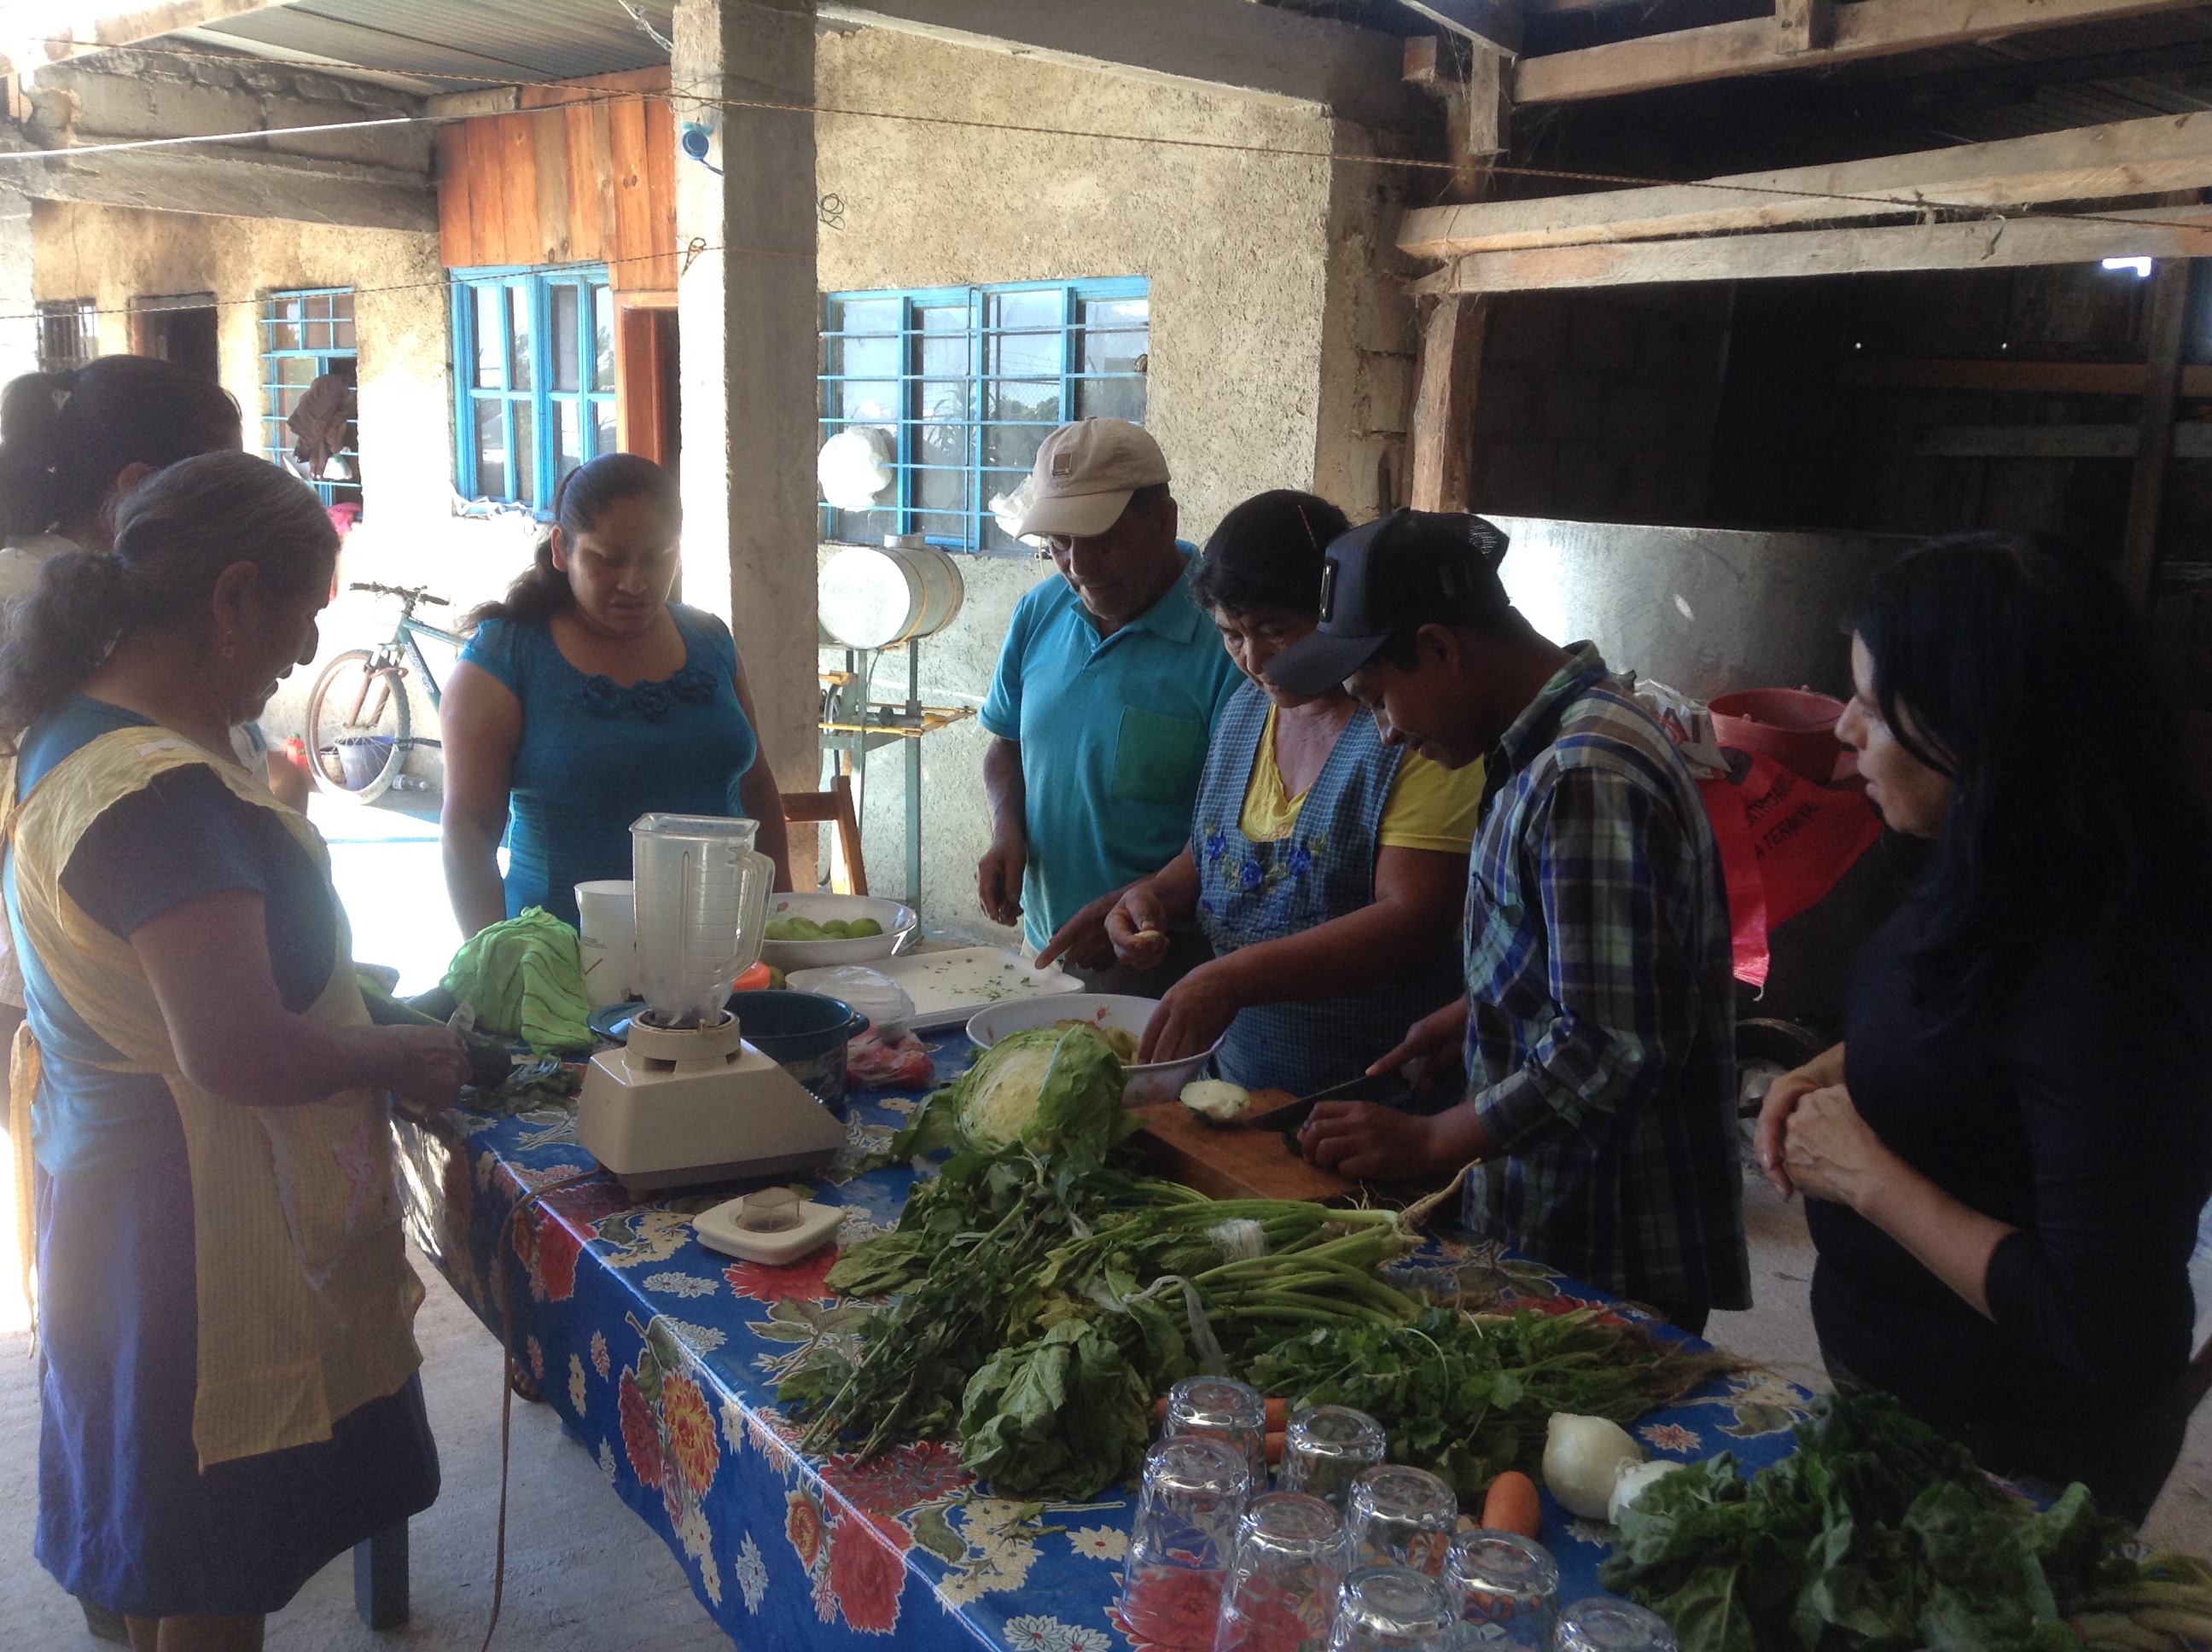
1599, 1025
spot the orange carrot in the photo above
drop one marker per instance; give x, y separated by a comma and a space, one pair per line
1512, 1506
1274, 1450
1160, 1412
1278, 1415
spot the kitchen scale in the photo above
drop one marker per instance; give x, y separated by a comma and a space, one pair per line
687, 1101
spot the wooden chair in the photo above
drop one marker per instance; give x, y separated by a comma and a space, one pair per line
833, 805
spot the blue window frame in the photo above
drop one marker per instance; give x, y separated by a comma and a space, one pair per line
306, 333
964, 382
533, 380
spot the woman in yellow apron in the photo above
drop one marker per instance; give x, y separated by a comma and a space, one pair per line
229, 1399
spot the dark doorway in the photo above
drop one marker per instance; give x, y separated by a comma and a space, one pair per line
178, 327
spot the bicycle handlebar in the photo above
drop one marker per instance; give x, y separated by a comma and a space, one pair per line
417, 594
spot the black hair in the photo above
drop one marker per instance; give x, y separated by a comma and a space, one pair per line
2015, 665
1267, 553
584, 496
1401, 648
65, 436
174, 534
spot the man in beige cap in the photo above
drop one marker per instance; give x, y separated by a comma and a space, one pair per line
1107, 690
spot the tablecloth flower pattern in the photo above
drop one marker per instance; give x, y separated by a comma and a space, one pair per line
663, 1358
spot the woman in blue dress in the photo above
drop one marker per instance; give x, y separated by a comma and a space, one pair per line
587, 698
1326, 868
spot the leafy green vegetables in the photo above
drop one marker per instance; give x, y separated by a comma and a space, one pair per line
1875, 1535
1469, 1396
1041, 1090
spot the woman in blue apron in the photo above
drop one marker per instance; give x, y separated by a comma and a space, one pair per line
1327, 870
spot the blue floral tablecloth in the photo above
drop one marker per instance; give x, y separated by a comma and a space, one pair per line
662, 1358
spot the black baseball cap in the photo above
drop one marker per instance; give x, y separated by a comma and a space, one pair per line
1408, 569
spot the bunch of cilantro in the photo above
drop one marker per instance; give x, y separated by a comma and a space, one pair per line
1468, 1397
1875, 1535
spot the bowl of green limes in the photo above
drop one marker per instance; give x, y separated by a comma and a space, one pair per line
808, 932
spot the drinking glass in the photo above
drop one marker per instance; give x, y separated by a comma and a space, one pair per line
1392, 1609
1193, 1494
1292, 1556
1506, 1588
1602, 1624
1402, 1516
1327, 1448
1227, 1410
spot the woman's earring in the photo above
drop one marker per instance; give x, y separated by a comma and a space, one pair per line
230, 647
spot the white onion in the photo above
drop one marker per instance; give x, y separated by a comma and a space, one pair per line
1582, 1458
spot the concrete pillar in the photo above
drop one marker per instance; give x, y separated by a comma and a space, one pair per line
19, 335
747, 315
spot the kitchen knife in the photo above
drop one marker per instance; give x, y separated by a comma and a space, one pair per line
1388, 1087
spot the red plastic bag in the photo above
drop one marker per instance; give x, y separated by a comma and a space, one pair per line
1784, 843
870, 1064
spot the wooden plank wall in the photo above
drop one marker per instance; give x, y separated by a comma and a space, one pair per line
583, 173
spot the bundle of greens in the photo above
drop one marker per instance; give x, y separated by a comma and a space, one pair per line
1469, 1396
1877, 1535
1042, 1297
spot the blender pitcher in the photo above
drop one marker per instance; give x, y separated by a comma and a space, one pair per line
703, 895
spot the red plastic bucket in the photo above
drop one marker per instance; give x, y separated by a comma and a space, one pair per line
1795, 726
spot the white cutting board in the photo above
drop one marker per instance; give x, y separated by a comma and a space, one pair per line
949, 987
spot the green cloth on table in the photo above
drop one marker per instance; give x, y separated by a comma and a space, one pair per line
525, 977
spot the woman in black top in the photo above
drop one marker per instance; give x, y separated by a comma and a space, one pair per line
2003, 1174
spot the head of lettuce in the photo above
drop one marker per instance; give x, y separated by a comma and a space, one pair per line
1045, 1091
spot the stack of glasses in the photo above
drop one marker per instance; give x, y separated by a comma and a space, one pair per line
1352, 1553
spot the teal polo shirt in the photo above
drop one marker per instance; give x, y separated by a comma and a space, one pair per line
1113, 731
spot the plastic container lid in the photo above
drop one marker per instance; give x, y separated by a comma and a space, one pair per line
875, 995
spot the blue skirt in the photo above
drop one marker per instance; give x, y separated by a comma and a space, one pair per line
126, 1519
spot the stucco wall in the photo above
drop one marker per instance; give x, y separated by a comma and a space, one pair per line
408, 534
1277, 339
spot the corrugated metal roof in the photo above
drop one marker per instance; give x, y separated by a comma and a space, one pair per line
456, 45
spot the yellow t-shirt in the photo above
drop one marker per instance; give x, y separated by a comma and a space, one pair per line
1430, 806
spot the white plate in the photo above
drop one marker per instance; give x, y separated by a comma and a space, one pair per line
1154, 1081
898, 922
949, 987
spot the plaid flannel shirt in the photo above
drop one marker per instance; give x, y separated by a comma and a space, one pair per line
1602, 1011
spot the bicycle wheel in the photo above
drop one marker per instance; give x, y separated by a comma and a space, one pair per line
357, 726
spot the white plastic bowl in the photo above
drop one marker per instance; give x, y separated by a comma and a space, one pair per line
1155, 1081
898, 922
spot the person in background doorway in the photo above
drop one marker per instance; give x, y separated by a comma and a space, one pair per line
228, 1387
587, 698
2004, 1159
1598, 1027
1108, 687
1326, 868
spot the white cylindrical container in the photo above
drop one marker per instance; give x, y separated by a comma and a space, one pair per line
606, 935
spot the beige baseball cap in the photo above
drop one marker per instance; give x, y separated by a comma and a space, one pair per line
1085, 473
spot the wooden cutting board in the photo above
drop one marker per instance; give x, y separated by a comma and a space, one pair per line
1233, 1160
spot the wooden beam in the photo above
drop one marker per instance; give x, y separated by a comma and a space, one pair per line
1493, 24
2019, 377
2163, 233
1478, 119
1443, 405
2088, 163
2191, 440
2169, 309
1802, 26
1756, 45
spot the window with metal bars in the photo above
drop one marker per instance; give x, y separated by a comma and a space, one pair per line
68, 334
306, 334
964, 382
534, 379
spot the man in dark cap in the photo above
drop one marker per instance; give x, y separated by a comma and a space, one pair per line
1598, 1029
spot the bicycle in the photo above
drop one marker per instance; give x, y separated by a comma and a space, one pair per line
361, 697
